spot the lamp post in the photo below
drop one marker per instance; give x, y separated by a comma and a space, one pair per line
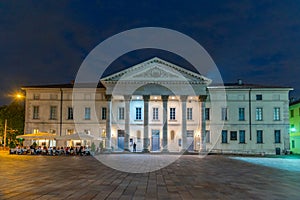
5, 127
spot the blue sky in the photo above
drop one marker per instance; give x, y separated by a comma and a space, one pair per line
44, 42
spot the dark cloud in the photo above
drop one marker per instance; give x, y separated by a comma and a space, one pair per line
45, 41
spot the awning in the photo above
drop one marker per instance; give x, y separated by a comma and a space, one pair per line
37, 136
76, 136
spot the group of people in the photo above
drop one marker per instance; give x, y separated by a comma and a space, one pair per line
52, 151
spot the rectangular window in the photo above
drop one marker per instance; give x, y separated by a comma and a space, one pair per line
138, 113
224, 114
103, 114
35, 112
87, 113
259, 114
189, 113
121, 113
36, 96
242, 136
276, 114
292, 113
155, 113
53, 112
233, 135
70, 113
207, 136
207, 113
293, 144
224, 136
258, 97
241, 114
277, 136
259, 136
172, 114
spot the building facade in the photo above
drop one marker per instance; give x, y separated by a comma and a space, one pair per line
295, 127
163, 107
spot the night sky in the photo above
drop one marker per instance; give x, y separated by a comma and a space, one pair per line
45, 42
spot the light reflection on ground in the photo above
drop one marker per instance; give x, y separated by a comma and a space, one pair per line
290, 163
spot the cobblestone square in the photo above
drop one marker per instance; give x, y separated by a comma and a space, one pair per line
189, 177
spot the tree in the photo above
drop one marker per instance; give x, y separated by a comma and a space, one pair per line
14, 113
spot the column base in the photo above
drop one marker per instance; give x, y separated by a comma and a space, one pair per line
165, 151
146, 151
107, 150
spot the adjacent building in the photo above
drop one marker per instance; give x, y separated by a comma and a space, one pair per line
295, 127
163, 107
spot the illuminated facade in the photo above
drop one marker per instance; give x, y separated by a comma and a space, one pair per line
295, 127
164, 108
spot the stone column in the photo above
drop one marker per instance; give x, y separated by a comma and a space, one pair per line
202, 100
165, 99
127, 122
108, 123
146, 99
183, 122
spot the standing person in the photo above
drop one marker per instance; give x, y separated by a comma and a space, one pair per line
134, 147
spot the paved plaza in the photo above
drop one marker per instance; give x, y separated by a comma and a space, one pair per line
189, 177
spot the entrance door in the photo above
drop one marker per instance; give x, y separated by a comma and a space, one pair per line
190, 140
121, 135
155, 140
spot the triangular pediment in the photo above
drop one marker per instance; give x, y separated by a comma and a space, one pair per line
156, 70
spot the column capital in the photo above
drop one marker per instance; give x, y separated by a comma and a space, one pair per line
202, 97
146, 97
165, 97
183, 97
127, 97
108, 97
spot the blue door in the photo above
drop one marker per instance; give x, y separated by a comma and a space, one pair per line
190, 140
121, 135
155, 140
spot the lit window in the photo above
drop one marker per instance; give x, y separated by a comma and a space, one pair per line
189, 113
259, 114
87, 113
259, 136
224, 136
277, 136
36, 112
70, 131
138, 113
224, 114
172, 114
70, 113
155, 113
276, 114
241, 114
121, 113
242, 136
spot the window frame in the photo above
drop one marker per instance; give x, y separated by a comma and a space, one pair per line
138, 113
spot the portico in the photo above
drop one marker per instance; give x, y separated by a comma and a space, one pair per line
155, 104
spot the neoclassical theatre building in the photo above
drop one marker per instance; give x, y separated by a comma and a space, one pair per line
162, 107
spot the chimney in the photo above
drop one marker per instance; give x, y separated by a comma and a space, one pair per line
240, 82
